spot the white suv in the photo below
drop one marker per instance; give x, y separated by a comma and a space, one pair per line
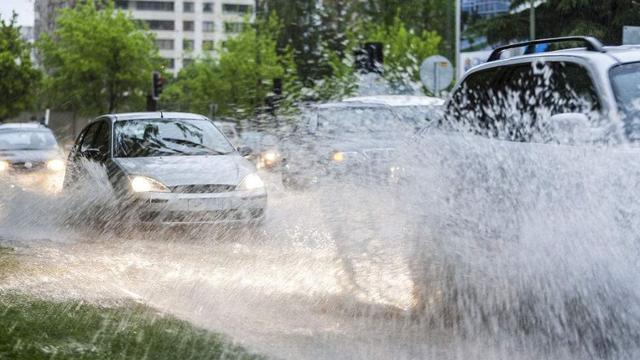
527, 97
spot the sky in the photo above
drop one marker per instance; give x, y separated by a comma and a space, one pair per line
24, 9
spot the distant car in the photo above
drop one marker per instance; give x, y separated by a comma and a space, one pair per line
265, 149
171, 168
355, 138
30, 157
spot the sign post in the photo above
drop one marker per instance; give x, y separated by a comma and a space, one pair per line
436, 73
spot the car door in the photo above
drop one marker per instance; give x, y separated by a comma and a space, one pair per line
91, 146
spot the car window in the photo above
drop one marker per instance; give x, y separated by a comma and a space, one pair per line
89, 137
101, 141
516, 102
169, 137
27, 140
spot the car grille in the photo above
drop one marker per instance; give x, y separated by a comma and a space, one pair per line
377, 166
28, 166
202, 189
201, 216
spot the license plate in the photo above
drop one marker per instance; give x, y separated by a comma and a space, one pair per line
205, 204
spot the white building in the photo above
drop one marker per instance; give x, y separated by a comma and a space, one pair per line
184, 29
188, 29
486, 8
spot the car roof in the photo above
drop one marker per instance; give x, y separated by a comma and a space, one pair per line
611, 55
23, 126
397, 100
381, 101
154, 115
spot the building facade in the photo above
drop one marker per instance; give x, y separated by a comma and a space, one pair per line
486, 8
184, 29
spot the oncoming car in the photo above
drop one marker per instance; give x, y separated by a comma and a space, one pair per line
30, 157
356, 138
170, 168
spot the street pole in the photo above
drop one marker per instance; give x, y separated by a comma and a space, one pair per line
458, 33
532, 21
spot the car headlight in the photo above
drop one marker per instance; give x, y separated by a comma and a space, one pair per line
55, 165
270, 156
141, 184
251, 182
338, 156
4, 165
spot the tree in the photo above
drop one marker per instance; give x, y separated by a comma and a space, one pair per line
240, 79
18, 78
603, 19
98, 60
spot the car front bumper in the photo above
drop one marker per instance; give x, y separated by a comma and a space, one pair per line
43, 182
237, 207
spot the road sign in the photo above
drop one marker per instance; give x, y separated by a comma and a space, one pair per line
631, 35
436, 73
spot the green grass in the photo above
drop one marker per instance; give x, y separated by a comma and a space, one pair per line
8, 261
33, 328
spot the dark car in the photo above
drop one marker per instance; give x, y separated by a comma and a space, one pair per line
355, 138
30, 157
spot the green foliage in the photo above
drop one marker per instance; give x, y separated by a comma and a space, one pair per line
98, 60
240, 79
38, 329
603, 19
404, 51
18, 78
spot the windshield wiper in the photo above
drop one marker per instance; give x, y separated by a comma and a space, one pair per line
194, 144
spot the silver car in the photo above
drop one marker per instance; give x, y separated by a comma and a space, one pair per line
30, 158
170, 168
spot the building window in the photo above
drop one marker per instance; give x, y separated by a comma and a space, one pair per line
208, 26
187, 26
186, 62
207, 45
236, 9
170, 63
207, 7
188, 7
154, 5
122, 4
160, 24
187, 44
233, 27
164, 44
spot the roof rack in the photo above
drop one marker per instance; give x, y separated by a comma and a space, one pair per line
591, 43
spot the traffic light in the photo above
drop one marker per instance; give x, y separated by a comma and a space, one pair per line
157, 85
370, 58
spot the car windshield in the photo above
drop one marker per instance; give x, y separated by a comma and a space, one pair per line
27, 140
354, 120
169, 137
625, 79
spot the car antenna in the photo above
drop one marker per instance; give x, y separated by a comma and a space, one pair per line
161, 115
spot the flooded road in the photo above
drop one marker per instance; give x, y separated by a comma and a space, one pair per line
348, 273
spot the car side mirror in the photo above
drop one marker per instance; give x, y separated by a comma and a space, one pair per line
571, 127
245, 151
91, 153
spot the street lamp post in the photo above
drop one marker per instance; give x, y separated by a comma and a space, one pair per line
458, 34
532, 20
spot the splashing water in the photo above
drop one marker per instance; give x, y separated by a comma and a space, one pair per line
484, 249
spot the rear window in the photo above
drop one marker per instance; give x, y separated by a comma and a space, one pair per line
515, 102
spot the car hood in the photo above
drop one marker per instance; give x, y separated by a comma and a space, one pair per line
35, 156
189, 170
